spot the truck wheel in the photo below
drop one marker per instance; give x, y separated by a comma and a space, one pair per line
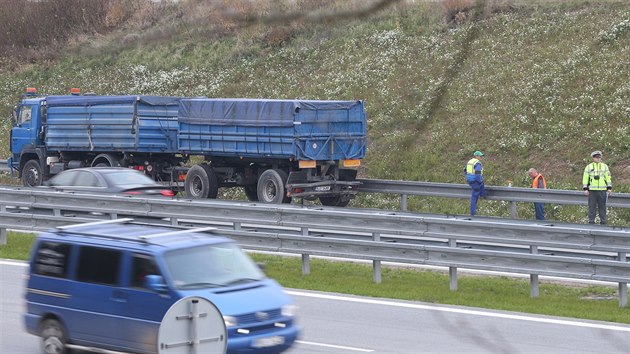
251, 192
32, 174
201, 182
105, 160
337, 201
272, 187
53, 337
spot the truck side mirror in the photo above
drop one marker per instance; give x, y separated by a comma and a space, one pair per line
15, 115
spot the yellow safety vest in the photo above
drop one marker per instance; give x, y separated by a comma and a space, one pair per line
596, 177
470, 166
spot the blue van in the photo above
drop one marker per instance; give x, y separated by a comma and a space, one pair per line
107, 285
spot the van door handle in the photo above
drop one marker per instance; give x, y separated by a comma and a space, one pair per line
119, 296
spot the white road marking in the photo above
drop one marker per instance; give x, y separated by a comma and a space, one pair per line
462, 311
14, 263
335, 346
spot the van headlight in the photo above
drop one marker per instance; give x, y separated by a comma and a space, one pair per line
230, 321
289, 310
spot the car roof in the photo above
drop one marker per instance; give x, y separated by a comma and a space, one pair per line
105, 169
124, 234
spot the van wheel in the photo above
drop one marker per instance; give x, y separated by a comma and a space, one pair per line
272, 187
32, 174
53, 338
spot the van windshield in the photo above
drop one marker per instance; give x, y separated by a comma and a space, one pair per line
211, 266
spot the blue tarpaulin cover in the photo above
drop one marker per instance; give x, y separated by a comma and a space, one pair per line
251, 112
53, 101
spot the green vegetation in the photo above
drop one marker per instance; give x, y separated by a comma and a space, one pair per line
18, 246
501, 293
531, 83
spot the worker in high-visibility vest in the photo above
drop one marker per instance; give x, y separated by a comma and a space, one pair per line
597, 186
474, 177
538, 182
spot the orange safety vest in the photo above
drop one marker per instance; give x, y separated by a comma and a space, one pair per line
535, 182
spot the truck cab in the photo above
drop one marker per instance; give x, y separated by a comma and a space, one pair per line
27, 146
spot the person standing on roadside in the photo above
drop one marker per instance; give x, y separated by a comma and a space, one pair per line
597, 186
538, 182
474, 177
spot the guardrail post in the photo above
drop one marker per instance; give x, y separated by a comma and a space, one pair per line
512, 205
376, 265
56, 212
113, 216
3, 231
452, 271
533, 278
237, 226
623, 287
174, 221
306, 258
403, 202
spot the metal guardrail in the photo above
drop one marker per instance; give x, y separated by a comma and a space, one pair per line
513, 194
514, 246
4, 167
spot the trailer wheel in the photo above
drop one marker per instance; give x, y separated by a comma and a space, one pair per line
272, 187
337, 201
251, 191
201, 182
32, 174
53, 337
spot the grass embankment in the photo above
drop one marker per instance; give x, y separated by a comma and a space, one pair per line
501, 293
531, 83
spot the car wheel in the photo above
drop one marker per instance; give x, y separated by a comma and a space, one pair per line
32, 174
201, 182
272, 187
53, 337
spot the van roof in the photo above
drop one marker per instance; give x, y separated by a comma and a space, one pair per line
124, 233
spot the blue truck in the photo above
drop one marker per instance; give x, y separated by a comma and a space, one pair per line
274, 149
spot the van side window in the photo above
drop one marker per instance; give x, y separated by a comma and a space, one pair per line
141, 267
52, 259
98, 265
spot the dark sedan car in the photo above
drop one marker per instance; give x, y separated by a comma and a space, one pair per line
117, 180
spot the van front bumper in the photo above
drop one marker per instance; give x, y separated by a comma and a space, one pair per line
264, 343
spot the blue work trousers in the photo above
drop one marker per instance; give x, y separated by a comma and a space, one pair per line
540, 211
478, 190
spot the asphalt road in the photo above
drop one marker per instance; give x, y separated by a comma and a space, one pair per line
345, 324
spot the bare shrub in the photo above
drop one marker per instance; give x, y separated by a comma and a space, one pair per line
457, 11
30, 24
278, 36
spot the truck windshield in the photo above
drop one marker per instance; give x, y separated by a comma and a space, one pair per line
211, 266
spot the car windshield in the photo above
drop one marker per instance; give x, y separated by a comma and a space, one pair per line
211, 266
126, 178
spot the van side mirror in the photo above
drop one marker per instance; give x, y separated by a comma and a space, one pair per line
155, 283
